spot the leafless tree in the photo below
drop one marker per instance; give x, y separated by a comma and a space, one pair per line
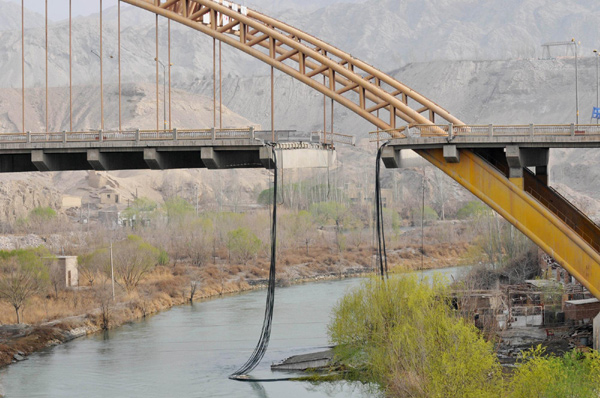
21, 278
133, 259
440, 194
103, 296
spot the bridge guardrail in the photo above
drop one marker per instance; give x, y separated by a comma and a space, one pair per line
127, 135
451, 131
317, 137
337, 138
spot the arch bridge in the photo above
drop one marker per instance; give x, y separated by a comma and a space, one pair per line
492, 165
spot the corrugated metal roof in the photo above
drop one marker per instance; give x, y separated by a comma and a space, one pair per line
581, 302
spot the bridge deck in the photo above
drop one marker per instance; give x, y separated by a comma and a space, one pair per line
491, 136
158, 149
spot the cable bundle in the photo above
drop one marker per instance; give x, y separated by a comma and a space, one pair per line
263, 342
381, 250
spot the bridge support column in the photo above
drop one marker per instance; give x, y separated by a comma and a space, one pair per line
154, 159
391, 157
97, 159
396, 159
266, 157
451, 154
40, 160
518, 158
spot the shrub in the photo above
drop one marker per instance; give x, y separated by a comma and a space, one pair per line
576, 374
405, 336
243, 244
473, 209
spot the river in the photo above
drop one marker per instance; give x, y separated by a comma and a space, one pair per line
189, 351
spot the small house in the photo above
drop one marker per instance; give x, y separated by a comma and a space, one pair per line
67, 269
109, 197
582, 310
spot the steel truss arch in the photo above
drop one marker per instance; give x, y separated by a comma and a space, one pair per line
349, 81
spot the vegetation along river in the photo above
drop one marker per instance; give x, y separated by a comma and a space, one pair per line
189, 351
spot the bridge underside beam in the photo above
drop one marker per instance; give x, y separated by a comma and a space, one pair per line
290, 155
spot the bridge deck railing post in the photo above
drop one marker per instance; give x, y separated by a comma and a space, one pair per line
531, 130
175, 134
100, 136
450, 131
29, 137
213, 133
64, 137
252, 135
137, 135
572, 130
491, 130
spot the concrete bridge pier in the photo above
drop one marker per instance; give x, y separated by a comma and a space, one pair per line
297, 156
520, 157
394, 158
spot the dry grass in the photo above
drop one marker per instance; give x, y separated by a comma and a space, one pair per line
169, 285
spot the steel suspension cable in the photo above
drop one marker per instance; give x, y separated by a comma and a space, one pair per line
46, 28
263, 342
119, 57
70, 66
23, 65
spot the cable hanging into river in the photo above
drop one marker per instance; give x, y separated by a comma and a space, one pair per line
381, 250
263, 342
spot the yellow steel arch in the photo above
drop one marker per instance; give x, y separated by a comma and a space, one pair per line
365, 90
349, 81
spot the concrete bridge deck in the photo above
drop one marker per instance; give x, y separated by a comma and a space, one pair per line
492, 136
159, 150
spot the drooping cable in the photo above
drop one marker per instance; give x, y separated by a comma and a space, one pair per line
263, 342
381, 249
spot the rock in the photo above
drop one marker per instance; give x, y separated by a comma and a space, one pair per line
18, 357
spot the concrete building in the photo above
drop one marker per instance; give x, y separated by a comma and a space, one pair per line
67, 268
582, 311
69, 201
109, 197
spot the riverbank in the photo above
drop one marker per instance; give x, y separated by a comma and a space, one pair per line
171, 286
19, 341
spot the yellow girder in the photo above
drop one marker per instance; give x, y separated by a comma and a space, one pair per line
519, 208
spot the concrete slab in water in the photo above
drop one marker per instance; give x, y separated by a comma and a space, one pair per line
305, 361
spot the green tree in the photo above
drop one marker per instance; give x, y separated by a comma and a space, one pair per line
42, 213
140, 209
133, 259
177, 209
23, 274
473, 209
539, 375
405, 336
243, 244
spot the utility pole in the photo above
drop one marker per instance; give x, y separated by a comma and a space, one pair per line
112, 271
196, 192
597, 83
576, 82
